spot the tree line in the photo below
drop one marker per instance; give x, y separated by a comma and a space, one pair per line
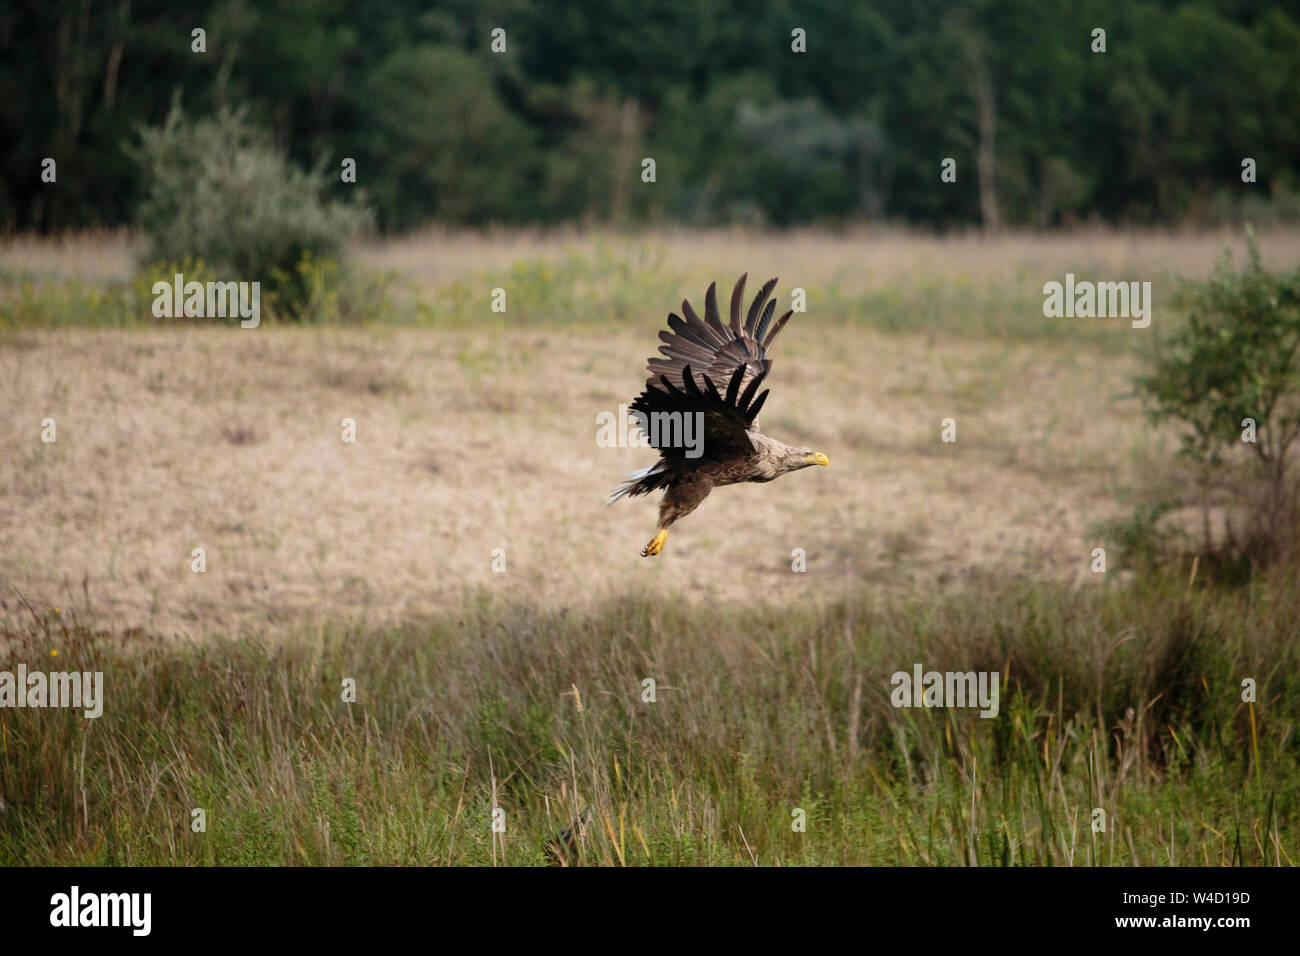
968, 112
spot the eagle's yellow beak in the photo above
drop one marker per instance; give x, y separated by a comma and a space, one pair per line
817, 458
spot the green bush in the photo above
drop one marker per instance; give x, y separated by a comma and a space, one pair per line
1237, 361
319, 291
220, 192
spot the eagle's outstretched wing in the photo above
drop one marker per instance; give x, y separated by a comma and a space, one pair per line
714, 349
726, 419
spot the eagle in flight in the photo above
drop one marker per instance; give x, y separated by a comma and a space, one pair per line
709, 379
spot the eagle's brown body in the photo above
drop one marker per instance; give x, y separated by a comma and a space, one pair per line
711, 372
685, 494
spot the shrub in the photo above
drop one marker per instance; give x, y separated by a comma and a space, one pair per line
319, 291
1235, 362
220, 192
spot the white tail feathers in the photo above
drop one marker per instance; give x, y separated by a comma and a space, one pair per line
630, 481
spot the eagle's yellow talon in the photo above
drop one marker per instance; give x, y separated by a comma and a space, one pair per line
656, 545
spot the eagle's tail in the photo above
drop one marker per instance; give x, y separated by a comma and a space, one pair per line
640, 482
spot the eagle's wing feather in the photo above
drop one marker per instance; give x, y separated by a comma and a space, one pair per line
726, 421
714, 349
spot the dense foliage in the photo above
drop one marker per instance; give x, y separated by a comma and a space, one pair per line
1043, 130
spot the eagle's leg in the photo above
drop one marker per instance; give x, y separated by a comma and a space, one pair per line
678, 501
656, 544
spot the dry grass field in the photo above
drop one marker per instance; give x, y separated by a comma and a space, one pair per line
471, 439
466, 442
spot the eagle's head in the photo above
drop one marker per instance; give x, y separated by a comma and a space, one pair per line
797, 458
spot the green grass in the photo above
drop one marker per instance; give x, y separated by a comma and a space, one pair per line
596, 288
318, 292
1007, 310
582, 288
30, 303
1122, 697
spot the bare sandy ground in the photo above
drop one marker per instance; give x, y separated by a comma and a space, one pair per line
231, 440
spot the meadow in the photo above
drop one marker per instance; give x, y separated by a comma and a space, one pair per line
522, 688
